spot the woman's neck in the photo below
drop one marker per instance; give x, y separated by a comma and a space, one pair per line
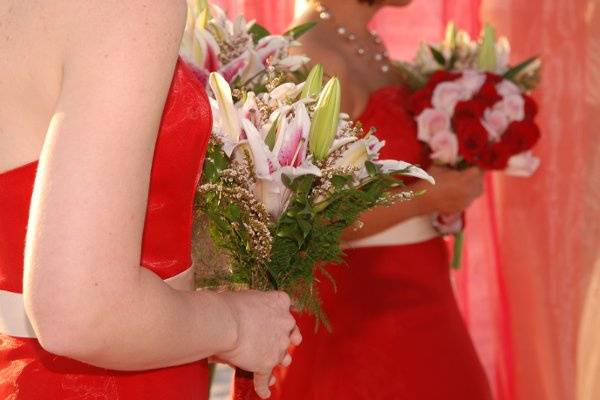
352, 14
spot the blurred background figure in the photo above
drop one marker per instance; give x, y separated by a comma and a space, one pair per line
528, 288
396, 326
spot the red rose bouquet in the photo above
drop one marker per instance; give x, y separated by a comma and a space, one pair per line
473, 110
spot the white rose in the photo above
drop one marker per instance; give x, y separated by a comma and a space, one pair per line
430, 122
522, 165
495, 122
446, 95
472, 81
513, 106
507, 88
444, 146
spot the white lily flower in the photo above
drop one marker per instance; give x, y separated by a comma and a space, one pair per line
291, 145
286, 91
356, 155
404, 168
236, 67
374, 146
263, 160
269, 188
293, 62
270, 46
339, 143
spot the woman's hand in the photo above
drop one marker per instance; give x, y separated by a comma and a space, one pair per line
265, 331
454, 190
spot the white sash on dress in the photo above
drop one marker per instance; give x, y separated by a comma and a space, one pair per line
411, 231
14, 320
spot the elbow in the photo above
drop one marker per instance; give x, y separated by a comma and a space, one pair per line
63, 331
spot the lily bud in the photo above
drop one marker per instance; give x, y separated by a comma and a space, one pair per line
325, 120
314, 82
487, 60
200, 11
450, 39
222, 92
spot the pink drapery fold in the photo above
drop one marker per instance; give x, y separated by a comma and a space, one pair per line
275, 15
550, 225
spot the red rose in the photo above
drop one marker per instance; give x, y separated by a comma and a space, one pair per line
441, 76
493, 78
468, 109
488, 94
531, 108
420, 100
520, 136
472, 138
494, 157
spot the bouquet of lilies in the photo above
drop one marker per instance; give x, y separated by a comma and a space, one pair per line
241, 52
472, 109
286, 173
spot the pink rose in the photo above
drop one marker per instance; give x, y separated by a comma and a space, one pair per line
430, 122
471, 82
448, 224
495, 122
446, 95
507, 88
513, 106
444, 147
522, 165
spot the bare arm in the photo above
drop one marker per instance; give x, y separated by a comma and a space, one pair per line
454, 191
85, 292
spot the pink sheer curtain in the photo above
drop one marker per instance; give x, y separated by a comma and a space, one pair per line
550, 225
273, 14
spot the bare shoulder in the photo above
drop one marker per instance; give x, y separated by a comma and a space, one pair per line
148, 25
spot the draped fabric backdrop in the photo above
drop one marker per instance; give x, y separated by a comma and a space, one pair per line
549, 227
528, 289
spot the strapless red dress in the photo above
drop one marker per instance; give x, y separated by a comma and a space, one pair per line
27, 371
397, 331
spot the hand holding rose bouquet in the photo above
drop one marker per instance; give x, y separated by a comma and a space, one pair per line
472, 109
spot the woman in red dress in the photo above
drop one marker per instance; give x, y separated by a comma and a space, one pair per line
83, 87
397, 331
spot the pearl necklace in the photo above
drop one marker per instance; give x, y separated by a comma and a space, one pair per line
381, 58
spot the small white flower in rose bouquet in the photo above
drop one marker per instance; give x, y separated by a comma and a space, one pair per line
242, 52
286, 173
473, 109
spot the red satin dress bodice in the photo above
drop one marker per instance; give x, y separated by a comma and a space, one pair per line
397, 331
28, 372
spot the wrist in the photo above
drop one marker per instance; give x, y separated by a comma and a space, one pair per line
231, 322
220, 324
422, 204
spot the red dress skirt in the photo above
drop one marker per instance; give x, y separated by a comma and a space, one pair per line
27, 371
397, 331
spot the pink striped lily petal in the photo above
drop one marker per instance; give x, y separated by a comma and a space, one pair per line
235, 67
291, 145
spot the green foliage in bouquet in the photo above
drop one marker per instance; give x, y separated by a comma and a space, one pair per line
287, 254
